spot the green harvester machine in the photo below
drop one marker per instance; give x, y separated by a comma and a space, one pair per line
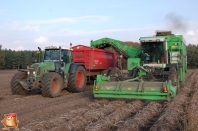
155, 70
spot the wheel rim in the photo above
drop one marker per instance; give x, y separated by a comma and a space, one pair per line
80, 79
54, 85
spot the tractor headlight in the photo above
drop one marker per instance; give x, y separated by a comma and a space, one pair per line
34, 72
28, 72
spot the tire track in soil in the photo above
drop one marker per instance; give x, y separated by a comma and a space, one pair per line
60, 119
32, 104
47, 107
142, 119
191, 110
20, 99
39, 101
172, 116
79, 122
118, 115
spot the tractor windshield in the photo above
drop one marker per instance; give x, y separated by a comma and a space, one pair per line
153, 52
54, 55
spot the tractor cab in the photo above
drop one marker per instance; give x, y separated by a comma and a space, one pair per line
60, 56
153, 52
154, 49
53, 53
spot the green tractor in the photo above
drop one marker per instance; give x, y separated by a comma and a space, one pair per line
155, 70
54, 71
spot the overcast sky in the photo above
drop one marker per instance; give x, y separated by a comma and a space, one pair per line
27, 24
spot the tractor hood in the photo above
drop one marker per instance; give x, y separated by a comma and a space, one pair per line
38, 69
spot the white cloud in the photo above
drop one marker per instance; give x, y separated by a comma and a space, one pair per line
52, 21
18, 48
190, 33
16, 45
69, 32
89, 19
64, 36
30, 28
17, 27
41, 40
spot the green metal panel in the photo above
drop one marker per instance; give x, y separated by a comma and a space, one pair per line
128, 51
132, 63
66, 70
44, 67
135, 90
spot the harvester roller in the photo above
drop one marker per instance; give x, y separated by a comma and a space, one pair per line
136, 90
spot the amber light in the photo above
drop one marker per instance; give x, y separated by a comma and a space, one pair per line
38, 52
96, 88
165, 90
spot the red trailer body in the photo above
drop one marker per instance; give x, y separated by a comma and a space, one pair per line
94, 60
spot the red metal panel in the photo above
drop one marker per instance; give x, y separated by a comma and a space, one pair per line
94, 58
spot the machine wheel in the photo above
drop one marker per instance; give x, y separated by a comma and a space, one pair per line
77, 81
51, 84
16, 87
105, 72
115, 72
173, 76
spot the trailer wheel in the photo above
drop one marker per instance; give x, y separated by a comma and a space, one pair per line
77, 81
173, 76
16, 87
51, 85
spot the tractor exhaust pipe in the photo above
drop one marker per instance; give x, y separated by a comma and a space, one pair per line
59, 54
40, 54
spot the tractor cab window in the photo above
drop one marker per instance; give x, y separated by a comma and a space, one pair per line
152, 52
66, 55
52, 55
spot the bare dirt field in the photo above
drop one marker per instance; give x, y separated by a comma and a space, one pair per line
80, 111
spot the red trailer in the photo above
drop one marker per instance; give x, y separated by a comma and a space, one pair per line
94, 60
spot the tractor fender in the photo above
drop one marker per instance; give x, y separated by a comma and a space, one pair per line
73, 67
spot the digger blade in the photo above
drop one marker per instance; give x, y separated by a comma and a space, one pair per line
135, 90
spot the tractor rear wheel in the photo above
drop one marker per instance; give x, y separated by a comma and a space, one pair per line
51, 84
16, 87
77, 81
173, 76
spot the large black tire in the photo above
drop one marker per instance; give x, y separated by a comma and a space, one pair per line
173, 76
105, 72
51, 84
77, 81
16, 87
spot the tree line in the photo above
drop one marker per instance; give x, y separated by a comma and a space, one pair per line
192, 56
11, 59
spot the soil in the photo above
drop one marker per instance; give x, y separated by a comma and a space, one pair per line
83, 112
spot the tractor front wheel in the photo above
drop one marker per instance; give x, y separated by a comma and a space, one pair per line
77, 81
51, 84
16, 87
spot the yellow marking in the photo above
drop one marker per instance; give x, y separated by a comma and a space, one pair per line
129, 88
152, 89
173, 46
